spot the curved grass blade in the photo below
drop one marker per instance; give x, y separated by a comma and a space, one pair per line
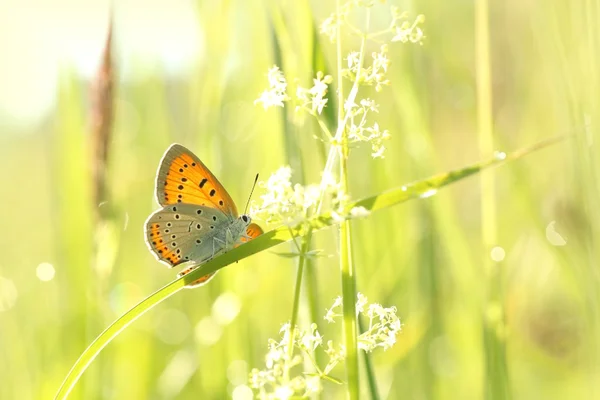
419, 189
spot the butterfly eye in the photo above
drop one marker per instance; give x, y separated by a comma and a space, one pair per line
245, 218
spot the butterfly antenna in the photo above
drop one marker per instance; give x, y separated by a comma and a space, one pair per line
251, 191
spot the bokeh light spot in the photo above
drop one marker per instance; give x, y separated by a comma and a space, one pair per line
45, 272
225, 308
497, 254
237, 372
208, 331
242, 392
177, 373
173, 326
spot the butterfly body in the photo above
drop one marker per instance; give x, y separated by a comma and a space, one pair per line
198, 219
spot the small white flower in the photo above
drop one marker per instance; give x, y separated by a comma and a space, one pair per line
353, 59
311, 340
380, 61
329, 26
270, 99
283, 392
370, 105
331, 314
314, 99
358, 212
407, 32
360, 302
276, 94
313, 385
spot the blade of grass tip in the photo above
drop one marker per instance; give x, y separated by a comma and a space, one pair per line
101, 120
277, 236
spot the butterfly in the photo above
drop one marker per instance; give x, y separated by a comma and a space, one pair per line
198, 219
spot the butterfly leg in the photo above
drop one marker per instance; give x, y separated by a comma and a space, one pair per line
218, 246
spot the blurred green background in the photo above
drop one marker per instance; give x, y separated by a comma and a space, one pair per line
189, 72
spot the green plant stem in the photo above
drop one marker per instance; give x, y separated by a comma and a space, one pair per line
296, 304
347, 268
348, 289
374, 392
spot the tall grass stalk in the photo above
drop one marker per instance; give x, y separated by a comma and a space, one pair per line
496, 377
286, 56
346, 265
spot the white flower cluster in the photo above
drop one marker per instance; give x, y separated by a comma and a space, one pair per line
278, 382
374, 74
313, 100
276, 95
404, 30
290, 204
384, 324
359, 129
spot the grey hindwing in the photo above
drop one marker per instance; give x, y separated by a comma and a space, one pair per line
187, 232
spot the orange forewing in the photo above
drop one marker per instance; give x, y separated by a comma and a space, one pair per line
253, 231
183, 178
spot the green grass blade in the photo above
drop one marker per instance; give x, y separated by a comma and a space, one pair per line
111, 332
419, 189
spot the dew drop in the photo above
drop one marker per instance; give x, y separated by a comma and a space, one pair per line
499, 155
428, 193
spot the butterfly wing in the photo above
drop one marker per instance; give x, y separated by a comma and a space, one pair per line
184, 232
252, 231
183, 178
